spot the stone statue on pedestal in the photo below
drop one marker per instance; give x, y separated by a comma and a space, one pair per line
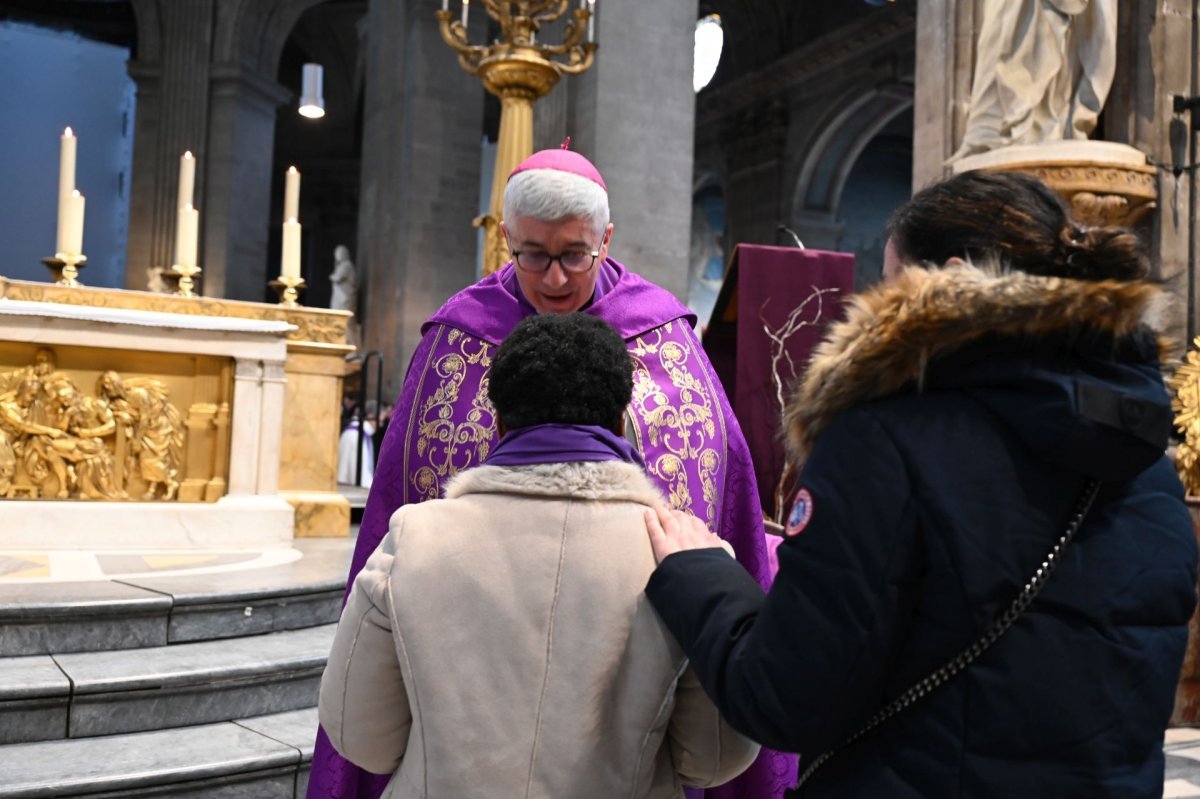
1043, 69
344, 294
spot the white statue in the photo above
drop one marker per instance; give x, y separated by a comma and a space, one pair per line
344, 296
1043, 69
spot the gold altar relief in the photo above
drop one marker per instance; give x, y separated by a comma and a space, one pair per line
99, 424
687, 430
448, 445
1185, 401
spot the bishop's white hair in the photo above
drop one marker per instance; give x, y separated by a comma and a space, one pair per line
551, 195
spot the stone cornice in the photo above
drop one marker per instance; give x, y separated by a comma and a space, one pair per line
862, 39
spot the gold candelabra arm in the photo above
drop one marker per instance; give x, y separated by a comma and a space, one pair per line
455, 35
559, 8
572, 37
581, 59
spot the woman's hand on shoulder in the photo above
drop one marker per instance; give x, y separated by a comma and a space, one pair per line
674, 531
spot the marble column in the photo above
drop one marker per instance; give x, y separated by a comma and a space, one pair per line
422, 133
633, 113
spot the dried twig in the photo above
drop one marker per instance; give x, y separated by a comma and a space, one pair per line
796, 321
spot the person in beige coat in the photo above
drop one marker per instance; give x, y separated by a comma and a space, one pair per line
498, 643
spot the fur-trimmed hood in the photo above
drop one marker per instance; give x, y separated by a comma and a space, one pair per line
612, 481
894, 331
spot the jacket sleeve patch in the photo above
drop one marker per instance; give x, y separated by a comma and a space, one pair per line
802, 511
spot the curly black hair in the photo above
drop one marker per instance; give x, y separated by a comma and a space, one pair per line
561, 369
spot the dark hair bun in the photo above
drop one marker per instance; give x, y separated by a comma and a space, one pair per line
568, 369
1103, 253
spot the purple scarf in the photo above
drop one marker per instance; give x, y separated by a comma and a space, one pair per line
561, 443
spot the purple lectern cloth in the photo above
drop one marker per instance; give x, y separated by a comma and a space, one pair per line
561, 443
680, 419
771, 283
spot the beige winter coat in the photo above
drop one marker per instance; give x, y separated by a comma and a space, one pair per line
498, 644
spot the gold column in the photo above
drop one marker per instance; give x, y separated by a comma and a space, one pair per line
519, 70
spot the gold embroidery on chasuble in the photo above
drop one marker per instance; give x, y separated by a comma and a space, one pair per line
454, 425
680, 428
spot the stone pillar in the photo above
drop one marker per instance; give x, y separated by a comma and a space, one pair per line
754, 143
1156, 61
422, 132
193, 97
238, 197
172, 116
946, 32
633, 114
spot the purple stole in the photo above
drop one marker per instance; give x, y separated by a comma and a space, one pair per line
680, 421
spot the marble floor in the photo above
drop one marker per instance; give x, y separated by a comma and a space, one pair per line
28, 566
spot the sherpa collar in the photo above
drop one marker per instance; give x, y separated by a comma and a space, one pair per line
612, 481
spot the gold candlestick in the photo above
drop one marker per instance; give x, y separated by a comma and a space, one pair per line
289, 290
185, 275
518, 69
65, 266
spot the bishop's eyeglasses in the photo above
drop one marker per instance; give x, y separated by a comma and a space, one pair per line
573, 261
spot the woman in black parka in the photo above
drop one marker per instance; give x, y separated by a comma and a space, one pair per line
948, 429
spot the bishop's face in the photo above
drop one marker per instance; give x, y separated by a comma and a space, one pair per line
557, 290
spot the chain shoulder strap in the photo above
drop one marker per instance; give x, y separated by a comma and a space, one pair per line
956, 664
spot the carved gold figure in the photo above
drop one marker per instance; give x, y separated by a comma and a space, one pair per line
1185, 384
56, 443
153, 428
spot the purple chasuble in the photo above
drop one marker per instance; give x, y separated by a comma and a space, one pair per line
679, 419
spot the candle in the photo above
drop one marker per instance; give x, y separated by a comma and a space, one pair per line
466, 6
66, 183
591, 36
291, 249
66, 164
187, 181
70, 235
291, 195
445, 5
187, 232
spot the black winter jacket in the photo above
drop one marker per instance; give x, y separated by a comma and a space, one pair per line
951, 423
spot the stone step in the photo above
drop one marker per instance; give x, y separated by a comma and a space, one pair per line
264, 757
81, 695
134, 612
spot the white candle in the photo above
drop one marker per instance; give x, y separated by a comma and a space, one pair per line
187, 181
466, 6
291, 249
591, 21
445, 5
71, 236
66, 183
291, 195
187, 232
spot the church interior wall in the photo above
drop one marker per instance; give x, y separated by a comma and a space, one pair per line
786, 157
64, 76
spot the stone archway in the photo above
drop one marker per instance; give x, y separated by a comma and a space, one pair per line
861, 116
